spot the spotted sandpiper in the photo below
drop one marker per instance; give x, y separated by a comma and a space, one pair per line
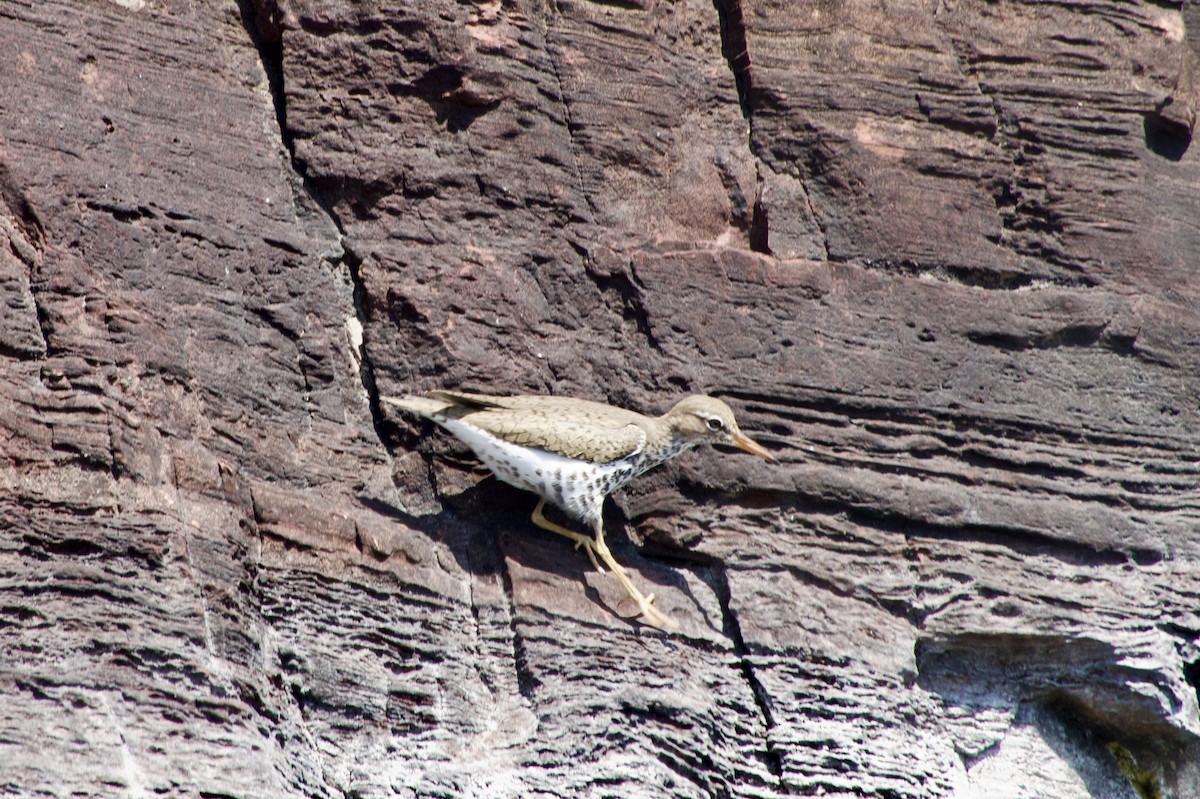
573, 453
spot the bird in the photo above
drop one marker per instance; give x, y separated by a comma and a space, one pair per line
573, 453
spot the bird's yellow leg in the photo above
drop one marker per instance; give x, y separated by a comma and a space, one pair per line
645, 602
580, 539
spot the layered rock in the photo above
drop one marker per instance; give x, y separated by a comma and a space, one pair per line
940, 257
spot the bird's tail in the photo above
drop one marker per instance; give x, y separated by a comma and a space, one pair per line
425, 406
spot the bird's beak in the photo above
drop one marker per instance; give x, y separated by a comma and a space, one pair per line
753, 447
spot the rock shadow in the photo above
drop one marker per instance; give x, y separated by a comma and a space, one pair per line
489, 523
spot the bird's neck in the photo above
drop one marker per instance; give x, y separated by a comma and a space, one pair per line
663, 442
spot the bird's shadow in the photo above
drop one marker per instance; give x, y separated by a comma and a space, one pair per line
490, 521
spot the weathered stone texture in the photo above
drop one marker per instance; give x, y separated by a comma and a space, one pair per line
942, 257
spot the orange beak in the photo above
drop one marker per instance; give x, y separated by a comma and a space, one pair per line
753, 447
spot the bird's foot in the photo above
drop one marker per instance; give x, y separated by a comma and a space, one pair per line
652, 615
581, 540
590, 548
645, 602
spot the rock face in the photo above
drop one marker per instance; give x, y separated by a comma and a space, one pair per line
943, 258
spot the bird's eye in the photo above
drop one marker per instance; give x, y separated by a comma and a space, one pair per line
714, 424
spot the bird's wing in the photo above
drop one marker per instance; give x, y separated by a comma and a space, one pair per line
588, 431
577, 436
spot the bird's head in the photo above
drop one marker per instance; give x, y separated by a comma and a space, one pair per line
700, 419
